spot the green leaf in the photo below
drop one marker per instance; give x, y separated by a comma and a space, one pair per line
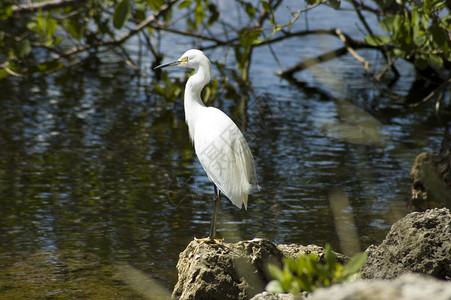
354, 264
23, 48
214, 15
427, 7
5, 11
32, 25
415, 22
47, 66
420, 40
421, 63
335, 4
249, 9
139, 14
210, 90
159, 90
385, 3
425, 20
199, 14
156, 4
3, 73
435, 60
376, 39
388, 24
275, 272
438, 34
57, 40
185, 4
250, 36
307, 273
331, 260
399, 53
122, 14
75, 29
266, 7
50, 25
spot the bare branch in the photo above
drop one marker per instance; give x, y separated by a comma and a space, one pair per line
365, 63
361, 17
389, 66
44, 5
365, 7
9, 71
298, 13
161, 26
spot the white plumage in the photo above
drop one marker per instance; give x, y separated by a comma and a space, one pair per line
220, 146
224, 154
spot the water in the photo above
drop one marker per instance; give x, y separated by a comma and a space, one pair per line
96, 170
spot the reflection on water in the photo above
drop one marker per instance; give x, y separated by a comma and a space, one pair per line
94, 164
94, 168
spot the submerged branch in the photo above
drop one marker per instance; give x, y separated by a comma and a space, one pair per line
350, 45
436, 91
305, 64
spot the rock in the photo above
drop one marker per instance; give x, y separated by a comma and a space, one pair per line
271, 296
419, 242
226, 271
431, 178
293, 251
407, 287
232, 270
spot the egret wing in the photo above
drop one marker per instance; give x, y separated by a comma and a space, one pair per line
225, 156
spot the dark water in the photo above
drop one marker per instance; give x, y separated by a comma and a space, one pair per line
97, 170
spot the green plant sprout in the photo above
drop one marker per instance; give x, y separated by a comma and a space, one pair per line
307, 273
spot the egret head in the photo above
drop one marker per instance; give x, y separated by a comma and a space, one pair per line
191, 59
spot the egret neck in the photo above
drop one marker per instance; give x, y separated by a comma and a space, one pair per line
193, 101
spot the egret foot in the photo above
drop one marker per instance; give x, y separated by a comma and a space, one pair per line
207, 240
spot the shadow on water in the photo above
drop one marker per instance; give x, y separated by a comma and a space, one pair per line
98, 177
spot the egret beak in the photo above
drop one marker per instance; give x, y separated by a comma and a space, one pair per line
174, 63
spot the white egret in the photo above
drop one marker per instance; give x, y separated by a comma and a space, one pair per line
219, 144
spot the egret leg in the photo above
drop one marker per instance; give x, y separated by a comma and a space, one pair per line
212, 238
215, 215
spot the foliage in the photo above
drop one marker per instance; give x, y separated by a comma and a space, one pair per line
171, 89
418, 31
307, 273
45, 37
42, 37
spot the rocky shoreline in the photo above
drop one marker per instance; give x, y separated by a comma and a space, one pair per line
412, 262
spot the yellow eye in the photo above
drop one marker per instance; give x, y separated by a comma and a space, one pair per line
184, 59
